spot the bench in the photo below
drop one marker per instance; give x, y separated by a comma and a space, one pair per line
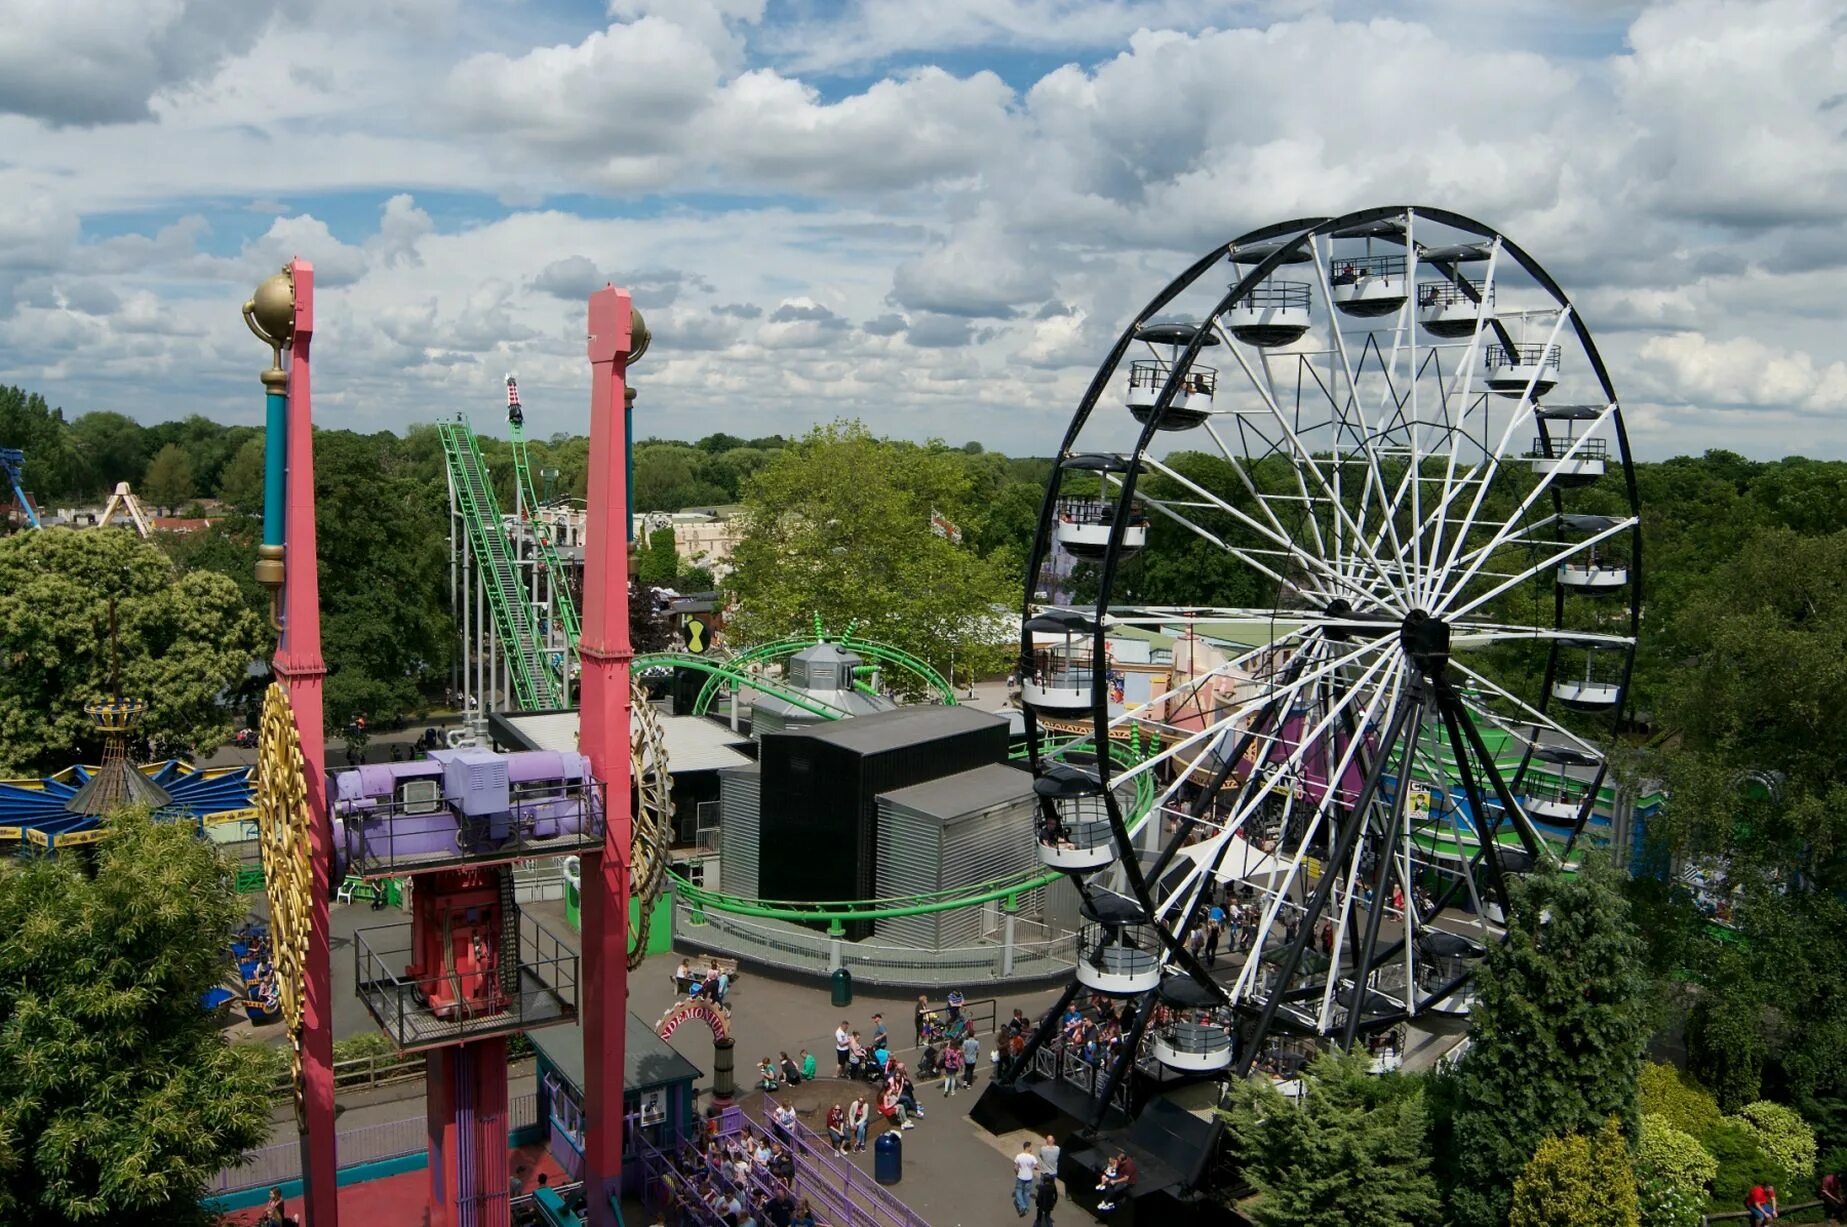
698, 968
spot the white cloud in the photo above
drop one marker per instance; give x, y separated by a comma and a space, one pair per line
947, 239
1746, 372
102, 61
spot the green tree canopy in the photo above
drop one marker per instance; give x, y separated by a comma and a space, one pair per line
1672, 1171
119, 1097
1353, 1150
241, 482
839, 525
54, 469
169, 481
184, 640
114, 448
1575, 1181
1561, 1018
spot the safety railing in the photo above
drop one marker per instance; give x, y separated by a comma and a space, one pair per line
1150, 373
1557, 447
539, 989
543, 818
792, 947
1088, 511
1274, 295
872, 1204
1494, 356
280, 1162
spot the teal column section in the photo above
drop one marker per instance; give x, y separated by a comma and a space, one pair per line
275, 456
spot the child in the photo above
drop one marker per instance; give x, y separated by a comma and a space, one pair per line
952, 1066
766, 1075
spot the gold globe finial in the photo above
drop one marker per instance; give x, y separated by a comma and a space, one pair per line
639, 336
270, 314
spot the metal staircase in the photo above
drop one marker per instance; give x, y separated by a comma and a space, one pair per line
535, 687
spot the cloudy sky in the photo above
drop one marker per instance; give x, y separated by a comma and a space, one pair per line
930, 216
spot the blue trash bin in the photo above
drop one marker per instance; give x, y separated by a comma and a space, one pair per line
888, 1158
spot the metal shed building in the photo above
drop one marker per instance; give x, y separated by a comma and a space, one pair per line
951, 832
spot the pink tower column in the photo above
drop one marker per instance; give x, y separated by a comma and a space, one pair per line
604, 738
299, 667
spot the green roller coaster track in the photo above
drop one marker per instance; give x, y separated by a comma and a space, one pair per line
537, 686
556, 577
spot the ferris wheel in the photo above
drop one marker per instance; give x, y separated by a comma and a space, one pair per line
1395, 469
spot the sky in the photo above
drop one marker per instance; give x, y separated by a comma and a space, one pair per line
935, 218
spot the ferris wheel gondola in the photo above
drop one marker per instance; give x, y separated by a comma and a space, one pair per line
1450, 567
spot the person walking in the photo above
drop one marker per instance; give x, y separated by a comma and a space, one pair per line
971, 1057
1045, 1198
843, 1044
1212, 942
1025, 1168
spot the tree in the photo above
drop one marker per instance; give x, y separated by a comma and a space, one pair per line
1352, 1151
183, 642
1561, 1019
114, 448
169, 480
1675, 1100
1672, 1171
1762, 637
53, 467
649, 627
657, 562
838, 525
241, 482
1783, 1134
119, 1097
1574, 1181
381, 530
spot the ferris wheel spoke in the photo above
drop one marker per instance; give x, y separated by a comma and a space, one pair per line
1286, 700
1364, 431
1238, 466
1276, 537
1527, 410
1344, 845
1285, 775
1227, 722
1530, 536
1550, 563
1481, 474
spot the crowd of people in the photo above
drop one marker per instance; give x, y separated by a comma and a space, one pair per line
744, 1180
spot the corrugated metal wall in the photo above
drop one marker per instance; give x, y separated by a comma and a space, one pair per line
921, 854
909, 861
994, 843
739, 810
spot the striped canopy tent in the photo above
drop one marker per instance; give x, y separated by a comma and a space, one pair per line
56, 811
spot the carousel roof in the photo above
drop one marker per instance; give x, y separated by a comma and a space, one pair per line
48, 811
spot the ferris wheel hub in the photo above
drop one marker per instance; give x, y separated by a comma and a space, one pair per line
1426, 642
